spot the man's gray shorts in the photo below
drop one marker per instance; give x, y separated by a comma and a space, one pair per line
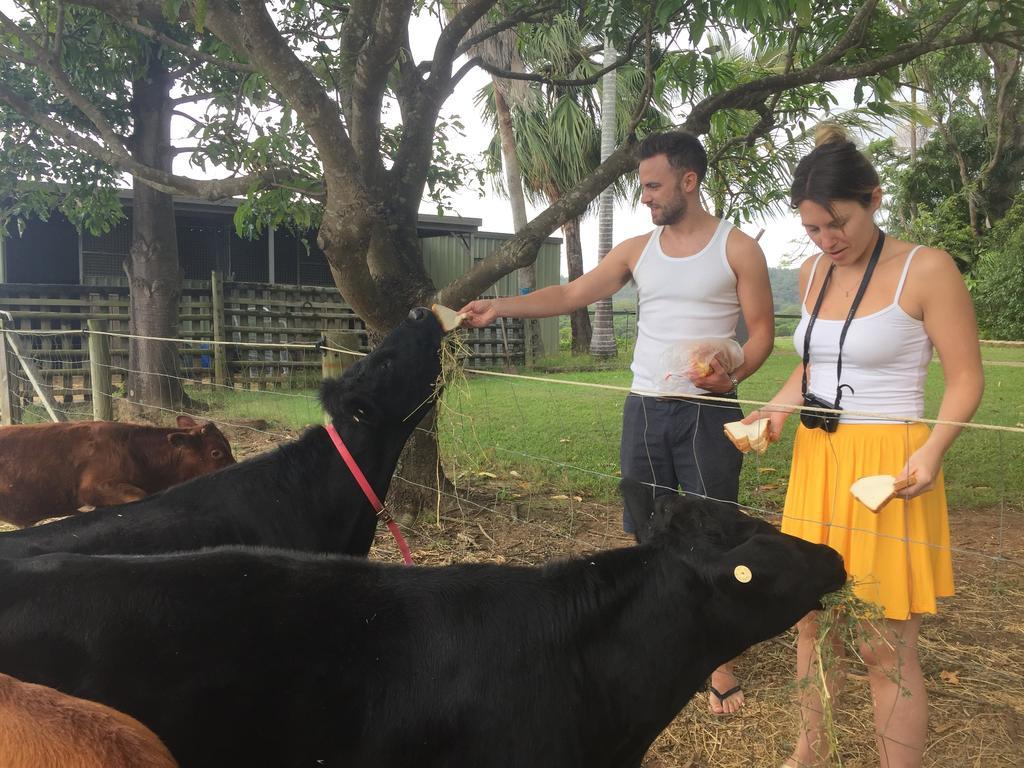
678, 443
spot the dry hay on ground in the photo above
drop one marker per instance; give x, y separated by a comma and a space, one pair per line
970, 652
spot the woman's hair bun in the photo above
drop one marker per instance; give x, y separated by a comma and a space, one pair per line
829, 133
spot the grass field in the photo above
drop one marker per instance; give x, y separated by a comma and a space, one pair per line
567, 436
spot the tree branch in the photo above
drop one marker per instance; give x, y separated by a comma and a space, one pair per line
522, 250
193, 118
193, 97
47, 63
750, 94
186, 50
369, 82
537, 77
58, 33
853, 35
1006, 72
521, 16
218, 189
254, 37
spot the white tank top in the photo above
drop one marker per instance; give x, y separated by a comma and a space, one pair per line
885, 359
679, 299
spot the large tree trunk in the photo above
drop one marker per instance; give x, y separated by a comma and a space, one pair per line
420, 477
154, 276
579, 319
1000, 178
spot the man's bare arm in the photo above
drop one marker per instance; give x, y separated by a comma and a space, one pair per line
754, 291
611, 273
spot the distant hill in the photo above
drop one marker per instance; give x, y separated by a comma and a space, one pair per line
785, 289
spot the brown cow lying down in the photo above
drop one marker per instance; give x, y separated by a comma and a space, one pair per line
42, 727
53, 470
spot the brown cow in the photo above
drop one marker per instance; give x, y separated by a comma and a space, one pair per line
53, 470
41, 726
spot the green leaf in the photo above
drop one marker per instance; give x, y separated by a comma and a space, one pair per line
803, 12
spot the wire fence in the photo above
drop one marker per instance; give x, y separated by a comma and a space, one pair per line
60, 353
537, 457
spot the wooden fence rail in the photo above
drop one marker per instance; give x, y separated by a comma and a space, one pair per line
253, 314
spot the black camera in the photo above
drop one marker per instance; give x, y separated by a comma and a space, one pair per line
819, 419
822, 419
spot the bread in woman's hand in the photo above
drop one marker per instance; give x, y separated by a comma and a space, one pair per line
875, 491
748, 437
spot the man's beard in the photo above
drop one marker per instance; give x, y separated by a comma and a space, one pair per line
669, 214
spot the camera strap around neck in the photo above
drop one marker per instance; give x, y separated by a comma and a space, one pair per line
849, 317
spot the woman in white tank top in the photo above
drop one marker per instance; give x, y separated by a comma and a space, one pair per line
898, 558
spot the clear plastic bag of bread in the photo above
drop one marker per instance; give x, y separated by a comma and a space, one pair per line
685, 360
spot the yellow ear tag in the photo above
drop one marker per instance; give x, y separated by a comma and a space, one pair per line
742, 574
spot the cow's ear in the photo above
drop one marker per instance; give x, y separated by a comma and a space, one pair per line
753, 566
343, 404
179, 439
186, 422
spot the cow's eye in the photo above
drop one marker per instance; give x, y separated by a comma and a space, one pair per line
419, 314
216, 453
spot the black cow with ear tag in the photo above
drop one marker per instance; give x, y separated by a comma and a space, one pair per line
242, 657
301, 495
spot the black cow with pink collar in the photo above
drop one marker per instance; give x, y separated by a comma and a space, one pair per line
299, 496
248, 657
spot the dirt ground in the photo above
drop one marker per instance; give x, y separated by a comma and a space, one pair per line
972, 651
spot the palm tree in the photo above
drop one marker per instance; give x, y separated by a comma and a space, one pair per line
499, 51
558, 141
602, 343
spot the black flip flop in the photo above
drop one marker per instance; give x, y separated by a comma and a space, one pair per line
723, 696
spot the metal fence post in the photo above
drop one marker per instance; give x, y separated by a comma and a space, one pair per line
99, 370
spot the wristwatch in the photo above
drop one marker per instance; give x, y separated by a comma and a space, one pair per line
734, 381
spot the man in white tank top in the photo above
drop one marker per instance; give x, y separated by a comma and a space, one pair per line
695, 274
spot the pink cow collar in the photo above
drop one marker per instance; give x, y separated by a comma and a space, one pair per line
375, 502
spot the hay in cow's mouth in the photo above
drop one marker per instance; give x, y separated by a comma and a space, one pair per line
454, 353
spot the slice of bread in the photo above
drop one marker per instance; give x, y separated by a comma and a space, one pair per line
875, 491
448, 318
748, 437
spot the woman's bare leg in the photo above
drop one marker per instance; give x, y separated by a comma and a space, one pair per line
812, 746
898, 691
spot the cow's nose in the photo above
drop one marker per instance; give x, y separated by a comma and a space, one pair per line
419, 314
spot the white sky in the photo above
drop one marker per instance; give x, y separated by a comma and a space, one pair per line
782, 236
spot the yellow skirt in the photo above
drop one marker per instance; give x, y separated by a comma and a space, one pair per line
899, 558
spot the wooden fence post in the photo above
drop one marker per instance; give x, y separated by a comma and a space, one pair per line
334, 364
220, 366
10, 407
99, 370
